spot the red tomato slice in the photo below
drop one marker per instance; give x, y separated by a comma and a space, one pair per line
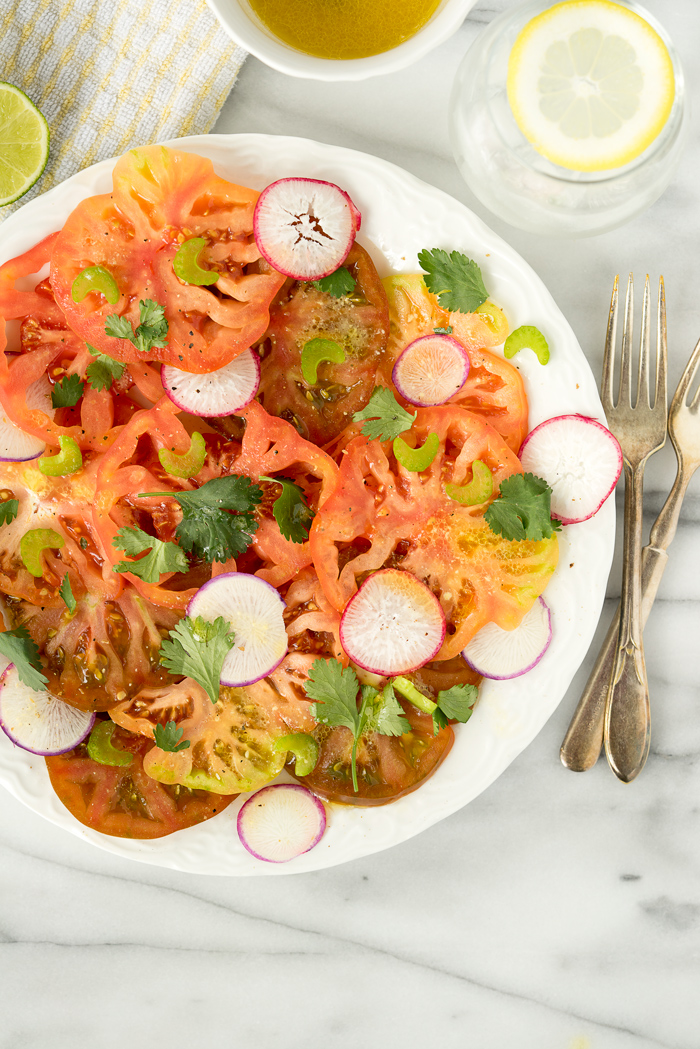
124, 802
381, 515
161, 198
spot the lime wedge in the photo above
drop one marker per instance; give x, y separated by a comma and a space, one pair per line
590, 84
24, 143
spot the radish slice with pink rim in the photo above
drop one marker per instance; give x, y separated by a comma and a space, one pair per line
221, 392
579, 459
281, 822
430, 370
503, 654
393, 624
255, 611
305, 227
17, 446
37, 721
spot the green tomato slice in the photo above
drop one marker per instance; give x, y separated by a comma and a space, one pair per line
479, 489
95, 278
527, 337
33, 544
304, 748
314, 352
417, 459
68, 461
101, 749
189, 463
186, 263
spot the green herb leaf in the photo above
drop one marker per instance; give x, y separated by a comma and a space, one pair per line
17, 646
163, 557
168, 737
291, 511
386, 419
207, 528
439, 721
335, 689
67, 392
523, 509
66, 592
102, 372
8, 511
197, 649
386, 716
151, 332
443, 331
455, 279
458, 702
337, 284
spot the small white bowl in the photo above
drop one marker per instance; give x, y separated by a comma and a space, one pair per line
246, 29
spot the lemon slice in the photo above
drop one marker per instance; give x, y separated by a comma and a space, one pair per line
590, 84
24, 143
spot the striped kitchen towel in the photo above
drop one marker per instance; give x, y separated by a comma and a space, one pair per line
112, 74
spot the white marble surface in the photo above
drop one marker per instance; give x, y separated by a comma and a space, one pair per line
557, 911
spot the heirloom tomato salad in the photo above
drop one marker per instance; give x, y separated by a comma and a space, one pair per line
261, 511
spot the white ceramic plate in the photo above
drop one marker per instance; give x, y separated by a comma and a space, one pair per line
400, 216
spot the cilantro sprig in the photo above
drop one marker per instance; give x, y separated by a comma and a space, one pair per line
151, 332
523, 509
340, 282
67, 392
455, 703
197, 649
8, 511
208, 528
17, 646
168, 737
385, 418
291, 510
455, 279
335, 690
66, 592
162, 557
102, 372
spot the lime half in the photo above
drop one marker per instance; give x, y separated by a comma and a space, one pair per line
24, 143
590, 84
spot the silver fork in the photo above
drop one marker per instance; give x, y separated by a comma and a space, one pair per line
584, 739
641, 431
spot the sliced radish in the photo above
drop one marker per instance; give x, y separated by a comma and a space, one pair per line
579, 459
281, 822
393, 624
305, 227
221, 392
37, 721
431, 370
255, 611
16, 446
503, 654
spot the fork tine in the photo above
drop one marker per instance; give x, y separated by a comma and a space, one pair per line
644, 343
625, 397
686, 379
660, 396
606, 383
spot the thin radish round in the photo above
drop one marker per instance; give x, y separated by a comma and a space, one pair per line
503, 654
430, 370
580, 460
37, 721
222, 392
255, 611
281, 822
304, 227
393, 624
17, 446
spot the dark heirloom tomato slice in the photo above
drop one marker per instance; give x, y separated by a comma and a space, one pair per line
358, 322
382, 515
124, 802
162, 197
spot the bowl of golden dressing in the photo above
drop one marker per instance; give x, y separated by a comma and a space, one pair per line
339, 39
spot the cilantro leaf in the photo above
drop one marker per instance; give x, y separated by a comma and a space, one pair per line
337, 284
163, 557
455, 279
440, 721
207, 528
523, 509
67, 392
8, 511
66, 592
152, 329
443, 331
102, 372
197, 649
168, 737
458, 702
387, 716
17, 646
291, 510
386, 419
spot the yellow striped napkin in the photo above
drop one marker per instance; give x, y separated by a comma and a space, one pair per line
111, 74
